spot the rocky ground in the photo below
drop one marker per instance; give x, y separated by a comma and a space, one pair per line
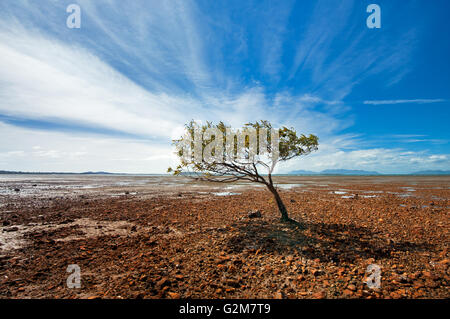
191, 242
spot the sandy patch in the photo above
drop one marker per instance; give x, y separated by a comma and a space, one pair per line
14, 237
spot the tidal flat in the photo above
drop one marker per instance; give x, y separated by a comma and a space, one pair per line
173, 237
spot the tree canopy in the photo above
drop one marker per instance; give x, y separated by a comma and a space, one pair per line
216, 152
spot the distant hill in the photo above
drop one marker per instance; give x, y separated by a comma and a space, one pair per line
335, 172
62, 173
431, 172
348, 172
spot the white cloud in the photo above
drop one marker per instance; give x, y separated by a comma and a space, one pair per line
64, 152
413, 101
383, 160
44, 79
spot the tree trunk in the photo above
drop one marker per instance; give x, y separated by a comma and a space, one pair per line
280, 204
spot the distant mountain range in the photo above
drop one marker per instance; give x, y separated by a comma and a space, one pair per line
362, 172
335, 172
436, 172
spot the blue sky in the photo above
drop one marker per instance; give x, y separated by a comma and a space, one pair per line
111, 95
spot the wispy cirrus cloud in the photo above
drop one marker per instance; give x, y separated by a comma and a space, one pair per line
81, 83
412, 101
338, 54
424, 140
41, 83
399, 139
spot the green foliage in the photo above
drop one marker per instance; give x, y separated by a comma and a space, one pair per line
290, 146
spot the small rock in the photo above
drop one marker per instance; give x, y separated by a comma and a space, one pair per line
317, 272
428, 275
174, 295
233, 283
163, 283
351, 287
222, 259
319, 295
404, 278
237, 262
94, 297
348, 292
431, 283
445, 261
395, 295
418, 285
255, 214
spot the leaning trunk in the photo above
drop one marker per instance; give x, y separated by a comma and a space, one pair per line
280, 204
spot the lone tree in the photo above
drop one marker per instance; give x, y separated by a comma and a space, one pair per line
214, 152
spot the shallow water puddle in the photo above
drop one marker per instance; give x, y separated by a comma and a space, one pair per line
339, 192
289, 186
225, 194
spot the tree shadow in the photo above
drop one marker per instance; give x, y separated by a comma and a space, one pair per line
338, 243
